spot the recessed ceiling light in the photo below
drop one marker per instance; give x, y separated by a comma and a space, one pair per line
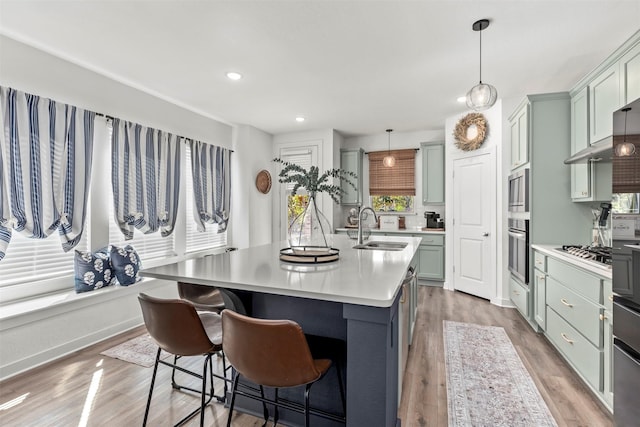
461, 99
300, 119
234, 76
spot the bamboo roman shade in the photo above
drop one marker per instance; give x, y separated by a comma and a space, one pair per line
626, 170
398, 180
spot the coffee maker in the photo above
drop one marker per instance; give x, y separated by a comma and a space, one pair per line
432, 219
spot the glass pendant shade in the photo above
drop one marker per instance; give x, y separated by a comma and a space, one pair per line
481, 97
389, 161
625, 149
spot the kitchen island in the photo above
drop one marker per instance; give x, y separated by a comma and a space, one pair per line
354, 299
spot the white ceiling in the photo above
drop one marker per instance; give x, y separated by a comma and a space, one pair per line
356, 66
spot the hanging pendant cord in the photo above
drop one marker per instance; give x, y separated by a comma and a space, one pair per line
480, 56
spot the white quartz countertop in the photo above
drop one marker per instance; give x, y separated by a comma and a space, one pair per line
551, 250
363, 277
417, 230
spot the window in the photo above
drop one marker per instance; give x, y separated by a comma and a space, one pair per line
392, 189
294, 205
198, 240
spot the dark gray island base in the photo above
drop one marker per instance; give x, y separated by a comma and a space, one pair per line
369, 364
354, 302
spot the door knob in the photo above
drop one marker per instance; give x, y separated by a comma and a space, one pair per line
485, 234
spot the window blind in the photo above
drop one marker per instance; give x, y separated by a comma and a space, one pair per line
626, 170
197, 240
398, 180
29, 260
302, 158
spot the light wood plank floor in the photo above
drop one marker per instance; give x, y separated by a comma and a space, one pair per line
57, 394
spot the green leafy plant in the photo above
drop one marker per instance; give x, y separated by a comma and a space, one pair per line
312, 181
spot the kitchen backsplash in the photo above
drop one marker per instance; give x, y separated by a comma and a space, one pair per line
412, 220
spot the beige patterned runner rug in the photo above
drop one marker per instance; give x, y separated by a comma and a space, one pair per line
140, 350
487, 384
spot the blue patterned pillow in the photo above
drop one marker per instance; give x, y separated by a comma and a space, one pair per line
126, 264
92, 270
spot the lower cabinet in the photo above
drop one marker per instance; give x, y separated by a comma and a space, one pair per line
431, 258
573, 307
519, 294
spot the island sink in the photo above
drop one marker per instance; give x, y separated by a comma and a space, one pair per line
382, 246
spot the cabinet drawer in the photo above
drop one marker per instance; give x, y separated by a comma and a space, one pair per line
433, 240
577, 280
540, 261
520, 297
586, 358
581, 313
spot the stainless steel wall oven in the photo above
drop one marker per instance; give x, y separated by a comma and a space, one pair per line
519, 248
519, 191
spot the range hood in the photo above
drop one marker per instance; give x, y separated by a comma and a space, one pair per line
601, 151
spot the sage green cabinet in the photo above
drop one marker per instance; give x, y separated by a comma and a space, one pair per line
604, 99
539, 298
431, 255
519, 124
519, 295
580, 173
351, 161
432, 172
630, 75
579, 321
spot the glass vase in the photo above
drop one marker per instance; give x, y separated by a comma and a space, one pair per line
310, 230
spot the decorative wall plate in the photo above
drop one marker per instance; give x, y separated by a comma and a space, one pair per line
263, 181
465, 143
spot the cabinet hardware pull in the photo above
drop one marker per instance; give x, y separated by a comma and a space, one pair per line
603, 317
516, 292
564, 337
541, 278
565, 302
403, 298
610, 297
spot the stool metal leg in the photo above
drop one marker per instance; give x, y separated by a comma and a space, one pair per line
276, 414
153, 380
203, 404
306, 404
234, 388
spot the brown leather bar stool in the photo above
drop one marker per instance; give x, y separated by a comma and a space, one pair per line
271, 353
178, 329
210, 298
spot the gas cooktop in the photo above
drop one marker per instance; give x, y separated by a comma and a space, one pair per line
596, 255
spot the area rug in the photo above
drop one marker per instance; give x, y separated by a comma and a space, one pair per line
141, 350
487, 384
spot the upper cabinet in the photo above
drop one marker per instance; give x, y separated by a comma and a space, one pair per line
604, 99
630, 75
580, 173
519, 123
432, 172
351, 161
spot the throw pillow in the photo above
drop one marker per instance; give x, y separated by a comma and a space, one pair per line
126, 264
92, 270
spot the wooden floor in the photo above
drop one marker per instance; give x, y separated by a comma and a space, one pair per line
87, 389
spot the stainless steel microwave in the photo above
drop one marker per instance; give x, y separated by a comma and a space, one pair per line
519, 191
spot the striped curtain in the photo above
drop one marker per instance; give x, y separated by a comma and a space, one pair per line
145, 176
45, 168
211, 169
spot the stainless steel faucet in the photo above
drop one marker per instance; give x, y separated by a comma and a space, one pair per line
360, 221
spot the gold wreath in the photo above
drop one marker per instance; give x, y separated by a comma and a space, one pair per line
460, 132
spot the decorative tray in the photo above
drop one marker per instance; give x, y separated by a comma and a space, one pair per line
309, 255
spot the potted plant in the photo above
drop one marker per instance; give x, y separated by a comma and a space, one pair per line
308, 230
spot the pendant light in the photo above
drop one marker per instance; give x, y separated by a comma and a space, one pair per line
389, 161
625, 149
481, 96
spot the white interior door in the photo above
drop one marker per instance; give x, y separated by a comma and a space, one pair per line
473, 227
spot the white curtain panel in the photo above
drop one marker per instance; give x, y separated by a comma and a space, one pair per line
211, 171
145, 178
45, 167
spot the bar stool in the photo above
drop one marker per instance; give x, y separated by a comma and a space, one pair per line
210, 298
272, 353
178, 329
